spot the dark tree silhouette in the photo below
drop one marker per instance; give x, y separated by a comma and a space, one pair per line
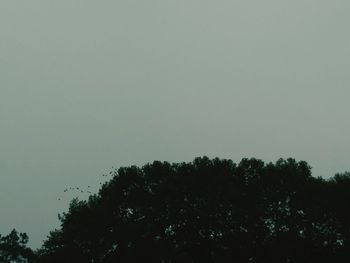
208, 211
13, 248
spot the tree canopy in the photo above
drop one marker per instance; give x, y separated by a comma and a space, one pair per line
208, 210
13, 248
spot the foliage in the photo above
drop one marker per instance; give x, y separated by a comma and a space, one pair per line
209, 210
13, 248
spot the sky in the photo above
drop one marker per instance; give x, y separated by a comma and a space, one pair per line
86, 86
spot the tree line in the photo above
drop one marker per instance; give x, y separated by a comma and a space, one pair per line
207, 210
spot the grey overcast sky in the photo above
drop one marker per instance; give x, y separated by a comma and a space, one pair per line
87, 85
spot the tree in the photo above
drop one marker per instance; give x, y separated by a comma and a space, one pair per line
209, 210
13, 248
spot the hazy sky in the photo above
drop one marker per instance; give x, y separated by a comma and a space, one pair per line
87, 85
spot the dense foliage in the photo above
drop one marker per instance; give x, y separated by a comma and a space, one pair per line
208, 211
203, 211
13, 248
